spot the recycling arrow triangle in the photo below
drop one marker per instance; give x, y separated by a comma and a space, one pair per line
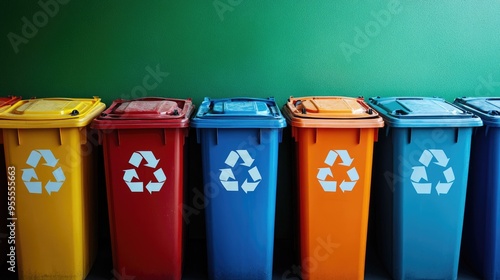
327, 178
37, 158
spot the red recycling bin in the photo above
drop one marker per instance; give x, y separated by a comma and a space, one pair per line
143, 144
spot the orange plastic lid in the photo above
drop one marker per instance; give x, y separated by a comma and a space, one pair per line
331, 112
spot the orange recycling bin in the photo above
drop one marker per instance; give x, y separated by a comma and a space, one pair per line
334, 145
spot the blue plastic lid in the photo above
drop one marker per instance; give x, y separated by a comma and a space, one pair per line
422, 112
239, 112
487, 108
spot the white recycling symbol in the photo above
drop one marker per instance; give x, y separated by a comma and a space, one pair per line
227, 178
324, 172
419, 178
30, 173
151, 162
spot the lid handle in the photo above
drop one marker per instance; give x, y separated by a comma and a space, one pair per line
411, 98
399, 112
240, 99
298, 104
268, 101
273, 110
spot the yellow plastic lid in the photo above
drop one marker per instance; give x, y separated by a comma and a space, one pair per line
51, 113
331, 111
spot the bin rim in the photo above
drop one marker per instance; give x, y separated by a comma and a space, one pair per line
396, 118
490, 118
10, 119
271, 119
369, 118
109, 120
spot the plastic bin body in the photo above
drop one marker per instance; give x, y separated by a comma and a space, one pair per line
239, 141
420, 179
5, 103
481, 234
334, 146
46, 142
143, 147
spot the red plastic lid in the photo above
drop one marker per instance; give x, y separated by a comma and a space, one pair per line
153, 112
7, 101
146, 109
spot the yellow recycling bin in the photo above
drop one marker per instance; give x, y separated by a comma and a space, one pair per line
50, 156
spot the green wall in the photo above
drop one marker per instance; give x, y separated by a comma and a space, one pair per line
250, 48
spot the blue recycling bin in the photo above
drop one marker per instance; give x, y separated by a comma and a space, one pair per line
239, 140
420, 168
481, 234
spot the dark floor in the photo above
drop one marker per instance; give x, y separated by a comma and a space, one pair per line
195, 264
